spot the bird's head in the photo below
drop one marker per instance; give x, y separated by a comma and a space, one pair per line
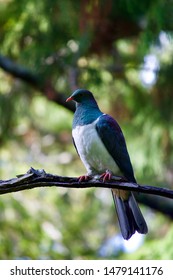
82, 96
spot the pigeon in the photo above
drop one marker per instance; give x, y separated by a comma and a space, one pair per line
101, 146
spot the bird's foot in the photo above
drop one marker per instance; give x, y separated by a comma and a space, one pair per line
106, 176
84, 178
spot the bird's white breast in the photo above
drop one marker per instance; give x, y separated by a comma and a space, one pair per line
92, 151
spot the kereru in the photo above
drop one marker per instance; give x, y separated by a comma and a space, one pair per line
101, 146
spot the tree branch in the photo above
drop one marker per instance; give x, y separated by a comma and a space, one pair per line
18, 71
157, 203
35, 81
39, 178
157, 198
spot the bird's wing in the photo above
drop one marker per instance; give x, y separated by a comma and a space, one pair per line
113, 139
75, 146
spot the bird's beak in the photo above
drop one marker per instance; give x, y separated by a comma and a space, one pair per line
69, 99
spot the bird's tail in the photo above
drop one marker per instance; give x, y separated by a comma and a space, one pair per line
129, 216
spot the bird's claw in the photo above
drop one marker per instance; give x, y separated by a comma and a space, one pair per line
106, 176
84, 178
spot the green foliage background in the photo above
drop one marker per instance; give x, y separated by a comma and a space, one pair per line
101, 46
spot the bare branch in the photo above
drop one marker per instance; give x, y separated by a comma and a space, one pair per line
157, 203
39, 178
35, 81
18, 71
